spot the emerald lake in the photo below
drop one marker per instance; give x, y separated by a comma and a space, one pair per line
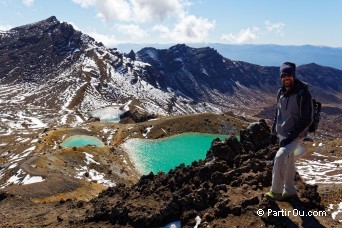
82, 140
164, 154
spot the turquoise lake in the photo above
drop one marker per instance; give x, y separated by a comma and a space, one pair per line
167, 153
82, 140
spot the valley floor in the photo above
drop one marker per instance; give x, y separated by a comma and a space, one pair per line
72, 176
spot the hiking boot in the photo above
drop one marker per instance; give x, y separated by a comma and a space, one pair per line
285, 197
273, 196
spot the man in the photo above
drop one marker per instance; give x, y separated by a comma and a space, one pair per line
293, 117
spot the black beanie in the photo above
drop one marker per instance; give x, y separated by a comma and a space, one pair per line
288, 68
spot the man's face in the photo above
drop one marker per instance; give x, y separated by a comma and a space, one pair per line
287, 80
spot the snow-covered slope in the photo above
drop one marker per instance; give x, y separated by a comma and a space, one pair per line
55, 75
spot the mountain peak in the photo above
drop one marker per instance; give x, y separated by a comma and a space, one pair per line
179, 46
46, 42
43, 24
51, 19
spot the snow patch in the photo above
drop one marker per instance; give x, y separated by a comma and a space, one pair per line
320, 171
89, 159
32, 179
90, 65
336, 211
30, 149
147, 130
93, 175
198, 221
13, 166
22, 179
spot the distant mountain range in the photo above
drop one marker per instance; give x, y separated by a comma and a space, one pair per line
264, 55
53, 70
204, 75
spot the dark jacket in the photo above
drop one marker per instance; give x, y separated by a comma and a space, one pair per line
294, 111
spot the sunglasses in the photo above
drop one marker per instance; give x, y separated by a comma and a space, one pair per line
284, 75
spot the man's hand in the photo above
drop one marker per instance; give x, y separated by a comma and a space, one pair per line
285, 142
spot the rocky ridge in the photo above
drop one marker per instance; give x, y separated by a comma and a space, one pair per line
51, 69
225, 188
204, 75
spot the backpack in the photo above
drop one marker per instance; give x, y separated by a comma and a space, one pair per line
316, 116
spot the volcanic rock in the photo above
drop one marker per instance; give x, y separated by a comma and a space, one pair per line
135, 116
229, 182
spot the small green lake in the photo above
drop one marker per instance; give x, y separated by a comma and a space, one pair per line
82, 140
167, 153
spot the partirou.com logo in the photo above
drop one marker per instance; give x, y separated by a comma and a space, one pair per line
294, 212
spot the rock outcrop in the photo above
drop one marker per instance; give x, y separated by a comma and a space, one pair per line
230, 182
136, 116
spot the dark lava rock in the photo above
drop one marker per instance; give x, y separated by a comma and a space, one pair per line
4, 195
256, 136
135, 116
93, 119
224, 184
226, 150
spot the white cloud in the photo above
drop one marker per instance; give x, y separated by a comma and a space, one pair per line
85, 3
74, 26
277, 27
147, 10
108, 41
161, 28
5, 27
108, 9
183, 28
244, 36
28, 3
118, 10
188, 29
134, 31
135, 10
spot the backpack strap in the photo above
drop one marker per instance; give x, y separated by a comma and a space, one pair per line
279, 94
273, 131
298, 98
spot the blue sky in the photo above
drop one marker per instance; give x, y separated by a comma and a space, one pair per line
286, 22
